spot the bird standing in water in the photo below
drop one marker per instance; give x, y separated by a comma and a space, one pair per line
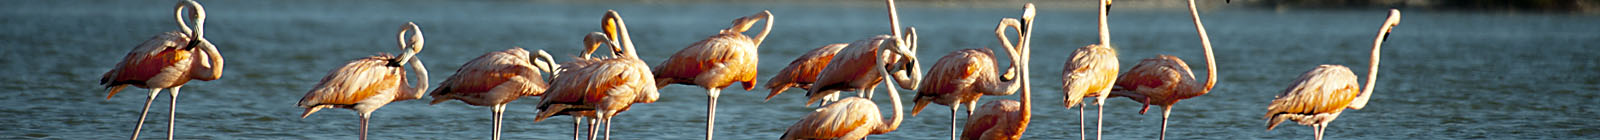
717, 62
167, 61
495, 79
1007, 119
1164, 80
1319, 95
368, 83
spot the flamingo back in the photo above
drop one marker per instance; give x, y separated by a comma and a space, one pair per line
492, 79
1316, 97
852, 68
1092, 69
956, 77
715, 62
850, 118
358, 81
600, 84
160, 62
996, 120
803, 70
1163, 80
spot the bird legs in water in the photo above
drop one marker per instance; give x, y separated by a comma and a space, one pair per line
172, 111
1165, 112
1081, 129
140, 126
499, 110
711, 111
364, 118
1100, 112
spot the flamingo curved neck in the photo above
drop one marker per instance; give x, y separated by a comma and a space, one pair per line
1205, 41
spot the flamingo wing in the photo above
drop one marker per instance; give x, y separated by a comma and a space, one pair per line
850, 68
356, 81
159, 59
803, 70
715, 62
1000, 119
1092, 69
1327, 89
600, 84
494, 78
849, 118
1158, 79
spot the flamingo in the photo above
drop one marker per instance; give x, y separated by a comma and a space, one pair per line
966, 75
855, 117
1164, 80
366, 84
600, 88
1319, 95
1007, 119
1091, 73
165, 62
495, 79
717, 62
846, 72
803, 70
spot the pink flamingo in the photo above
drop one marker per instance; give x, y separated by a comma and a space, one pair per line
1320, 95
167, 61
368, 83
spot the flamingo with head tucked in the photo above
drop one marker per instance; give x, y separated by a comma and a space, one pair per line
849, 69
803, 70
599, 88
1007, 119
167, 61
495, 79
1320, 95
368, 83
717, 62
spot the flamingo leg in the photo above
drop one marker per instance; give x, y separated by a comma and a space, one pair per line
953, 113
364, 119
1100, 113
146, 111
1081, 124
1166, 111
1315, 130
499, 111
576, 122
970, 106
711, 112
608, 127
172, 111
594, 124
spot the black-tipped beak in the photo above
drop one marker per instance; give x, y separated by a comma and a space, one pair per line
1108, 8
1228, 1
191, 44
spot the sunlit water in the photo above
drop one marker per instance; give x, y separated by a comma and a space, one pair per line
1448, 75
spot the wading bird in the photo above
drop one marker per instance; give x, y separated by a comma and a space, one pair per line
803, 70
495, 79
717, 62
850, 68
1319, 95
368, 83
1007, 119
602, 87
167, 61
1164, 80
964, 76
1091, 73
855, 118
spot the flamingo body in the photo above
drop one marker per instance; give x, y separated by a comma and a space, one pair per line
495, 78
849, 70
363, 84
1318, 97
161, 62
961, 77
716, 62
997, 120
1162, 80
848, 119
802, 72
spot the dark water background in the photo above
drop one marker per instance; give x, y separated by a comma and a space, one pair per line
1446, 75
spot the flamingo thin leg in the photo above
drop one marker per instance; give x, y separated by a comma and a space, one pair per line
576, 130
953, 113
1165, 112
499, 111
711, 112
146, 111
172, 111
364, 119
1081, 124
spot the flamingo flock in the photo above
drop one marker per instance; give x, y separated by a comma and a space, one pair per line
598, 88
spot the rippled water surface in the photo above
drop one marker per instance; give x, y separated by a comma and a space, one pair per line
1451, 75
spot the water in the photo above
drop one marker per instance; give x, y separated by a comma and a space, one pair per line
1449, 75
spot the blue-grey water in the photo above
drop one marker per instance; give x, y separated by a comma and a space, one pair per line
1445, 74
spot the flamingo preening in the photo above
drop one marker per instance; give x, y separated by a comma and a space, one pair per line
855, 118
495, 79
167, 60
368, 83
803, 70
1319, 95
1091, 73
1007, 119
964, 76
1164, 80
717, 62
599, 88
849, 70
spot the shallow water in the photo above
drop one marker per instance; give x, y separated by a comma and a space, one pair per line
1451, 75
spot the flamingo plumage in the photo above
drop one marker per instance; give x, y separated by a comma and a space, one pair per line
854, 117
802, 72
1091, 72
495, 79
1007, 119
368, 83
167, 61
1164, 80
717, 62
964, 76
600, 88
845, 72
1320, 95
